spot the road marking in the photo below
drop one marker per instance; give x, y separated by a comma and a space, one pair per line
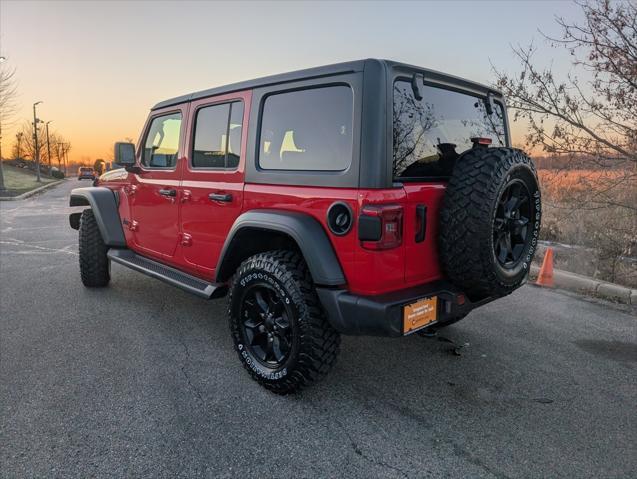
41, 248
11, 228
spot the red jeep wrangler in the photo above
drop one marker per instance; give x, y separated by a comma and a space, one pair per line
367, 198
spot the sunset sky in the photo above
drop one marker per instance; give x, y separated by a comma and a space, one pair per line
99, 66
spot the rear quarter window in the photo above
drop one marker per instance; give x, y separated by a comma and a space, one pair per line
308, 130
431, 133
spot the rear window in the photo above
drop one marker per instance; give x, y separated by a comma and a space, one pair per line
307, 130
430, 134
83, 169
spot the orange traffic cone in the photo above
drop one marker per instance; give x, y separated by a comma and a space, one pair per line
545, 278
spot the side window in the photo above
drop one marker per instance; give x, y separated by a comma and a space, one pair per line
307, 130
161, 146
217, 141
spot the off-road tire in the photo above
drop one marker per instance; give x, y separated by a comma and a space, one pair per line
94, 264
315, 344
468, 218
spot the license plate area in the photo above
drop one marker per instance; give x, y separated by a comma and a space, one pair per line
419, 314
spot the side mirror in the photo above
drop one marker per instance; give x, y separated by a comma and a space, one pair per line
124, 154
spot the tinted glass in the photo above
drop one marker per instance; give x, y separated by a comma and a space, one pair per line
431, 133
307, 130
218, 136
211, 130
234, 135
162, 142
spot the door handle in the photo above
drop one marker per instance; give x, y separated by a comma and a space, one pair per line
421, 223
171, 193
225, 197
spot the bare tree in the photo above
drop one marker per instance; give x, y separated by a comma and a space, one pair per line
593, 122
28, 142
8, 97
588, 119
64, 148
54, 139
59, 146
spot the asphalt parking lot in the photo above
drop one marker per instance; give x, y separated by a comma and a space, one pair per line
140, 379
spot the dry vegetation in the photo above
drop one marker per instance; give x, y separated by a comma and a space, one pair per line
585, 124
601, 239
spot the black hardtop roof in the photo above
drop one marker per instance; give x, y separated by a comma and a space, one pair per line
310, 73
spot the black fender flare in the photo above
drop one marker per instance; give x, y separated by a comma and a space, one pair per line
104, 205
302, 228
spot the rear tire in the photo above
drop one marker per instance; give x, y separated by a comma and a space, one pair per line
95, 268
279, 329
490, 221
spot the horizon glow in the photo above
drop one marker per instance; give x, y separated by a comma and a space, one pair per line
99, 66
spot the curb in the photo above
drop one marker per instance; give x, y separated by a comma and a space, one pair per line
590, 287
30, 192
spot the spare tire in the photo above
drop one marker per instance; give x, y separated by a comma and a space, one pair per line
490, 221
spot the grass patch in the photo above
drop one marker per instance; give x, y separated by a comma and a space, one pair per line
19, 180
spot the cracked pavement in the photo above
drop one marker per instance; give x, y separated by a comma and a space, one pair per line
140, 379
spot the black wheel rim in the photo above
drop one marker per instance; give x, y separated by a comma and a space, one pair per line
511, 226
266, 325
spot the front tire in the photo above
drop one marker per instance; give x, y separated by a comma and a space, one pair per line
95, 268
279, 329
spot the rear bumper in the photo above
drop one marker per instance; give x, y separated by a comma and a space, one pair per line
382, 315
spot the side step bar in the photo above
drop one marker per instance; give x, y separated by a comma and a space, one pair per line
169, 275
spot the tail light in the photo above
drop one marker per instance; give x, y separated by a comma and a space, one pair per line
381, 226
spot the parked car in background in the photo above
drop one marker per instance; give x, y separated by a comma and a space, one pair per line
57, 173
85, 173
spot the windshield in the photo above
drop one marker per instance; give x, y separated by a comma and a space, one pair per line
431, 133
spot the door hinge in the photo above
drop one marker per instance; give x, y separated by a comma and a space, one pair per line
131, 225
186, 239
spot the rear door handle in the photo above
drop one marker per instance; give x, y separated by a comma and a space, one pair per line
225, 197
171, 193
421, 223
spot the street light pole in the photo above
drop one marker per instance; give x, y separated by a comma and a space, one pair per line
37, 148
65, 156
57, 150
48, 146
18, 138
